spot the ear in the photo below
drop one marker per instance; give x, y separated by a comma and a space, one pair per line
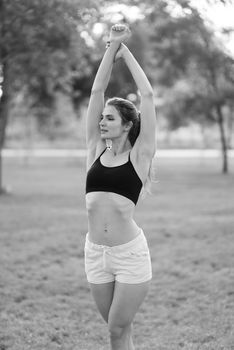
128, 126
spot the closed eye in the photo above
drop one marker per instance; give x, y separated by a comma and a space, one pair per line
107, 116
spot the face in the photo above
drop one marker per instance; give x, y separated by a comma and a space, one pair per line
111, 125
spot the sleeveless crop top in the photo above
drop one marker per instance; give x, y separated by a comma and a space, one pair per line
121, 179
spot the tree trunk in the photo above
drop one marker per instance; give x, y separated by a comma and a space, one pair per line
222, 138
4, 99
230, 127
4, 103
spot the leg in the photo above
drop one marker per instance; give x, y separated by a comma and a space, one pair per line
103, 295
126, 301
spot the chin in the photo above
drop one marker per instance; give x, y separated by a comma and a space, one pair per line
105, 137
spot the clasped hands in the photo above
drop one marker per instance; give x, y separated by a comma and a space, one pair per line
119, 33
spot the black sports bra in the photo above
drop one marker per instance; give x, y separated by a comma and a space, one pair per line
121, 179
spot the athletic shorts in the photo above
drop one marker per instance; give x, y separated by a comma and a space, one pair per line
125, 263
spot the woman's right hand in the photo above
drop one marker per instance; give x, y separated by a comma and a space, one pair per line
119, 33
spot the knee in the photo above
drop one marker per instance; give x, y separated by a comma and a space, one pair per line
119, 331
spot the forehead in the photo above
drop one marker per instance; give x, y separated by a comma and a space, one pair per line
110, 110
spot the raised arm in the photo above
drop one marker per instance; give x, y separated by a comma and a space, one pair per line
96, 102
118, 34
146, 143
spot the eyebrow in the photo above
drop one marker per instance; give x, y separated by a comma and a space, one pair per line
107, 115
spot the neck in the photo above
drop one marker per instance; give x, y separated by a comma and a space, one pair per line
117, 146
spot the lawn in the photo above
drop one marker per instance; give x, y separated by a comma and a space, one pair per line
189, 223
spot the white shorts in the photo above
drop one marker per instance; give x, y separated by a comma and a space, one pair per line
125, 263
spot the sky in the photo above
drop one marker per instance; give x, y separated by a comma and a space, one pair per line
221, 16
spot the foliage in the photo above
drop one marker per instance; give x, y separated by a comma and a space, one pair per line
50, 46
186, 53
43, 47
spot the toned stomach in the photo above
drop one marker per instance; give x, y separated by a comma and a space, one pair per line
110, 218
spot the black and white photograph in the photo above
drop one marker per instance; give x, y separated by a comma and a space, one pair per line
116, 175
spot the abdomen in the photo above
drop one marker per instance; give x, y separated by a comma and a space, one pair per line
110, 218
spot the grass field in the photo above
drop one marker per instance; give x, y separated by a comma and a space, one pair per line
189, 223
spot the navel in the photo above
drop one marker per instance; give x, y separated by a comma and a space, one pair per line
105, 228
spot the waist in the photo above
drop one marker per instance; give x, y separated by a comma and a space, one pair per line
116, 248
112, 232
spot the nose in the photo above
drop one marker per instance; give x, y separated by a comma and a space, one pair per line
102, 122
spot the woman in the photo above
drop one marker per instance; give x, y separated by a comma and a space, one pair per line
121, 146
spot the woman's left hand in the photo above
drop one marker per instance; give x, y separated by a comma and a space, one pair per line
119, 33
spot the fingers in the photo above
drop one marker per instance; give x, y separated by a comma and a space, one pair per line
119, 28
119, 33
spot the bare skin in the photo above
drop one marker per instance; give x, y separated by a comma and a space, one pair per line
110, 213
111, 216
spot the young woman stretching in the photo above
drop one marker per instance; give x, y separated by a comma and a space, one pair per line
121, 146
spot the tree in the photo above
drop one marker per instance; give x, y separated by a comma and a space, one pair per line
121, 82
40, 47
50, 45
186, 50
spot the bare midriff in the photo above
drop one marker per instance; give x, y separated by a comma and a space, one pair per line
110, 218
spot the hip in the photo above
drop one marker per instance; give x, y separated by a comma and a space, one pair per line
126, 263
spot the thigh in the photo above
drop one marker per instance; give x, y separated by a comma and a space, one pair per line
126, 301
103, 296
